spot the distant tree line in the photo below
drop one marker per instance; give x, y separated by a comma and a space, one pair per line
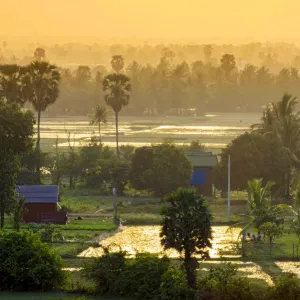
174, 88
204, 77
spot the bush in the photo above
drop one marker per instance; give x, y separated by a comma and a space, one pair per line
142, 276
106, 270
45, 231
119, 276
286, 287
174, 286
28, 264
223, 283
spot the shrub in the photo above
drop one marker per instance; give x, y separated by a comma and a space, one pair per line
142, 276
47, 232
105, 270
174, 286
139, 277
286, 287
27, 263
223, 283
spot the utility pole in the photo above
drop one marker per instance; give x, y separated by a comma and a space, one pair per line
228, 190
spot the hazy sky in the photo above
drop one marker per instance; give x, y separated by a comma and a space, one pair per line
145, 19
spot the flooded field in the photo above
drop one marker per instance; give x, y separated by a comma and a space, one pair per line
136, 239
213, 130
133, 239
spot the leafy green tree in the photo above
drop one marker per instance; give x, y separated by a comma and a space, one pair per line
272, 231
16, 131
281, 122
162, 168
11, 84
41, 86
252, 156
187, 228
100, 115
27, 264
170, 168
117, 90
141, 163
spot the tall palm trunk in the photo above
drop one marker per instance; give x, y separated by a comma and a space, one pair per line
99, 129
288, 181
1, 213
117, 133
38, 147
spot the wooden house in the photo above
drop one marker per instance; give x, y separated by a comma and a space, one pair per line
41, 202
202, 176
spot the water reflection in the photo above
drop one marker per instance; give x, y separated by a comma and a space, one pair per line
135, 239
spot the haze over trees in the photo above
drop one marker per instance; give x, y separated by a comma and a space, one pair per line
170, 78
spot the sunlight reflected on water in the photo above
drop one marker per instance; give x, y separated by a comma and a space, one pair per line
135, 239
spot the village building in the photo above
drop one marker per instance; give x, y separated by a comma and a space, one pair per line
202, 176
41, 204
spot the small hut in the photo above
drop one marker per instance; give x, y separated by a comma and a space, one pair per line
202, 176
41, 203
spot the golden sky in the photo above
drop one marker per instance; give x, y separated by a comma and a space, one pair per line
145, 19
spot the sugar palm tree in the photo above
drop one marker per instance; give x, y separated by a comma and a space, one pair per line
41, 89
117, 63
117, 90
100, 115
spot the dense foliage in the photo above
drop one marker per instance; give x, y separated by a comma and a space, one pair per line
139, 277
16, 130
187, 228
160, 168
223, 283
286, 287
172, 76
27, 264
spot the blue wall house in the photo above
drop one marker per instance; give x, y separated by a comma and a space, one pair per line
202, 176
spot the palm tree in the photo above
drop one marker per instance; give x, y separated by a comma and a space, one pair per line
117, 63
259, 195
281, 123
41, 88
117, 88
99, 115
260, 209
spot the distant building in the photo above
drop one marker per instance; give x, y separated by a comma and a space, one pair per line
202, 177
41, 203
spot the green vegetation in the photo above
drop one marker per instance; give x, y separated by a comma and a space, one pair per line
27, 264
187, 229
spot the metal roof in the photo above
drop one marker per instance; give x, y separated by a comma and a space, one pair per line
38, 193
202, 159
